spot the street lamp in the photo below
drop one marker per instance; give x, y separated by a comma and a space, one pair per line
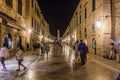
28, 39
73, 36
29, 30
98, 24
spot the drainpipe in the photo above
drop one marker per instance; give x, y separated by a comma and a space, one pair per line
112, 21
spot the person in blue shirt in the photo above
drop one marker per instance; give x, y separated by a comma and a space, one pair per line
83, 50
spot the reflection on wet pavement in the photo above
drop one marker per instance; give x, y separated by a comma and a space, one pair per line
58, 67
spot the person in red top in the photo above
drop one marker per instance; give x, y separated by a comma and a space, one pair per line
3, 54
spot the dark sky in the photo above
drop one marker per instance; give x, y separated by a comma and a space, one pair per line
58, 13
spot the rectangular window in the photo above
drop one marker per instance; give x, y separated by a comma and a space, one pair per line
80, 19
35, 7
93, 5
85, 31
93, 28
32, 22
35, 25
85, 13
9, 3
80, 32
20, 7
32, 3
67, 33
80, 7
76, 21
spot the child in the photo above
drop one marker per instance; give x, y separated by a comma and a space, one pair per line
19, 58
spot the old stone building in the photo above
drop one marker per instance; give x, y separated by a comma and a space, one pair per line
16, 18
97, 22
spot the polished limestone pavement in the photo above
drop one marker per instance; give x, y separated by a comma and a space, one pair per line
12, 65
58, 66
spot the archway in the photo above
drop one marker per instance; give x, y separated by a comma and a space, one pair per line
8, 41
94, 45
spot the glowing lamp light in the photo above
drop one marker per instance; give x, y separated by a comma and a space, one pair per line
29, 30
73, 36
98, 24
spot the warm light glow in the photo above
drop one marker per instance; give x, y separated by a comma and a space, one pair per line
41, 36
29, 30
30, 75
86, 42
98, 24
67, 53
73, 36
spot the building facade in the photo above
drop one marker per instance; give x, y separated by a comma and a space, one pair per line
96, 22
17, 18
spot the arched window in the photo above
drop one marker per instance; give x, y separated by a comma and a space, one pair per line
19, 41
8, 41
9, 3
93, 43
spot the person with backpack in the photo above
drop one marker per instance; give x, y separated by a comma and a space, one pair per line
82, 48
47, 49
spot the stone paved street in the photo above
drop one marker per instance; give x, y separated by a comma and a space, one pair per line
59, 67
11, 65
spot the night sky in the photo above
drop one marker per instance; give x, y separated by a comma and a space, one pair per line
58, 13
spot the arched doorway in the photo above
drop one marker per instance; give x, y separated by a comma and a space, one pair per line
8, 41
94, 45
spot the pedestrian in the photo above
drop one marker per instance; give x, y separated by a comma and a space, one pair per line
83, 49
4, 53
112, 51
19, 57
86, 52
60, 49
118, 77
75, 47
47, 49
